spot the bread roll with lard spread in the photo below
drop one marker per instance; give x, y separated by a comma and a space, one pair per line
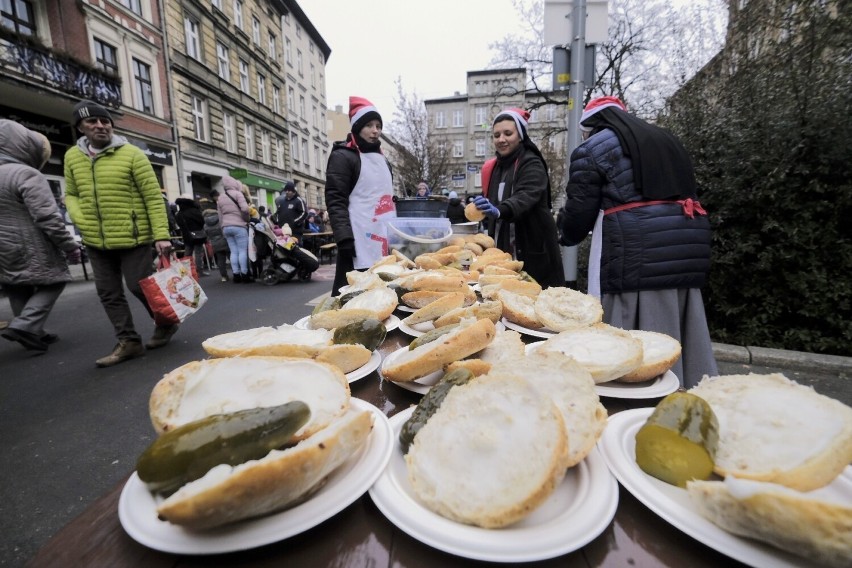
659, 353
607, 352
564, 308
774, 429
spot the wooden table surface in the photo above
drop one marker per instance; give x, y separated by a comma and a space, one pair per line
361, 536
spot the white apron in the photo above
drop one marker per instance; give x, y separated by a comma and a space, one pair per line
595, 257
370, 203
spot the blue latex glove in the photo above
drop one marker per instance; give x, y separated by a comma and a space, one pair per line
486, 207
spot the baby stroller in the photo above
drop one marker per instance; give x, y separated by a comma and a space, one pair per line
286, 260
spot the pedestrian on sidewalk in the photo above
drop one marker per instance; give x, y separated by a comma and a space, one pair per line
34, 241
291, 210
191, 223
114, 199
633, 185
234, 216
217, 238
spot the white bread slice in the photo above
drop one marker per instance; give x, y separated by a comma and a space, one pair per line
571, 387
812, 525
659, 353
434, 310
774, 429
422, 298
507, 347
605, 351
461, 342
493, 451
218, 386
383, 301
492, 310
283, 478
564, 308
346, 356
519, 309
434, 280
284, 341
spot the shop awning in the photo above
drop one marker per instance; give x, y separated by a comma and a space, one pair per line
254, 180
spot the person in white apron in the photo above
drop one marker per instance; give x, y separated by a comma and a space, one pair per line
359, 193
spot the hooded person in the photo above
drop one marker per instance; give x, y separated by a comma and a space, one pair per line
34, 242
632, 184
359, 193
291, 210
191, 223
234, 215
455, 209
516, 199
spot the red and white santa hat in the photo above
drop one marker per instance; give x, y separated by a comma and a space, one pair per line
598, 104
519, 115
361, 111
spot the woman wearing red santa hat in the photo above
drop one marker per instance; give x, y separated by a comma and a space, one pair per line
516, 200
359, 193
633, 185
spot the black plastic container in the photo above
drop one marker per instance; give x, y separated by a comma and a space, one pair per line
421, 208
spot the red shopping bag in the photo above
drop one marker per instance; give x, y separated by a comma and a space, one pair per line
172, 291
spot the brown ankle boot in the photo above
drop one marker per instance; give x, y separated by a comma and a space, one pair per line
122, 352
162, 335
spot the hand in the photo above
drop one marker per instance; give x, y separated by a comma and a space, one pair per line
486, 207
163, 247
74, 256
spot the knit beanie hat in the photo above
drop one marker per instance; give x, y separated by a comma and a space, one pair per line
519, 115
598, 104
453, 195
88, 109
289, 186
362, 111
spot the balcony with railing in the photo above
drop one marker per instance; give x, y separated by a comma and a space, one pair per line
23, 58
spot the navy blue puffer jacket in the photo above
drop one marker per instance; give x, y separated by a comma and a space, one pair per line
651, 247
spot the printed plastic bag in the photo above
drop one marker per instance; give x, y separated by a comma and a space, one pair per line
172, 292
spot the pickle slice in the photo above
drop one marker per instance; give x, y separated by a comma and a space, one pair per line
678, 441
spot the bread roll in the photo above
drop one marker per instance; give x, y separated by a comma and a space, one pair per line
606, 352
493, 451
347, 356
435, 309
564, 308
218, 386
659, 353
773, 429
507, 347
519, 309
332, 319
435, 280
466, 340
423, 298
812, 525
284, 341
492, 310
383, 301
483, 240
471, 213
283, 478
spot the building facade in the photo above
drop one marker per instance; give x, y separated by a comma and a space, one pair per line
54, 53
461, 123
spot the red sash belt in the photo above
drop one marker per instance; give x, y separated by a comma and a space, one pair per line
689, 205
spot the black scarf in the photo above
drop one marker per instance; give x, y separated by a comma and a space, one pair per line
367, 147
661, 166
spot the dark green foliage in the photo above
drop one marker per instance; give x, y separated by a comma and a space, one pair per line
772, 145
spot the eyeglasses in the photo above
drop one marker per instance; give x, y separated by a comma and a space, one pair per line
97, 120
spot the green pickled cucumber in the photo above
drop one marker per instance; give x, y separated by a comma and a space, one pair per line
429, 404
386, 276
399, 290
330, 303
190, 451
678, 442
369, 332
431, 336
349, 295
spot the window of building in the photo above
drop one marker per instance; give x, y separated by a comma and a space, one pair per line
217, 4
533, 115
298, 31
314, 116
299, 63
458, 118
244, 76
248, 140
279, 152
271, 46
106, 57
223, 55
294, 147
458, 148
291, 99
230, 129
439, 119
311, 46
305, 157
317, 163
199, 118
550, 113
287, 19
458, 178
288, 51
480, 115
480, 147
313, 76
276, 99
238, 13
480, 87
265, 147
302, 112
193, 39
255, 30
133, 5
261, 89
18, 16
143, 87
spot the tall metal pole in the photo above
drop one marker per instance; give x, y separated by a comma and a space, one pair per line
575, 111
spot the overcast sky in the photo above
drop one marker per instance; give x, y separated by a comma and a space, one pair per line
431, 44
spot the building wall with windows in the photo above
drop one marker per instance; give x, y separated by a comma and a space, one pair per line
462, 123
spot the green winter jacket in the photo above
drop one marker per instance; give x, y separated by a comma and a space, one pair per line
114, 198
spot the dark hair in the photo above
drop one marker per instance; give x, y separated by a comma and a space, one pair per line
214, 192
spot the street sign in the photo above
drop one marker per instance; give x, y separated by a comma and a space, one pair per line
459, 177
472, 168
557, 21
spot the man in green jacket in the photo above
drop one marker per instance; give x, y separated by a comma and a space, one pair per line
114, 199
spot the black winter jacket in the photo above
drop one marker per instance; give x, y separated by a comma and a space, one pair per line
651, 247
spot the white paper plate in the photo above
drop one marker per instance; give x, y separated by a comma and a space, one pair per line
404, 308
137, 507
543, 332
665, 384
419, 329
576, 513
618, 446
421, 385
366, 369
391, 323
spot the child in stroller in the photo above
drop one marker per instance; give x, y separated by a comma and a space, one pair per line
287, 259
